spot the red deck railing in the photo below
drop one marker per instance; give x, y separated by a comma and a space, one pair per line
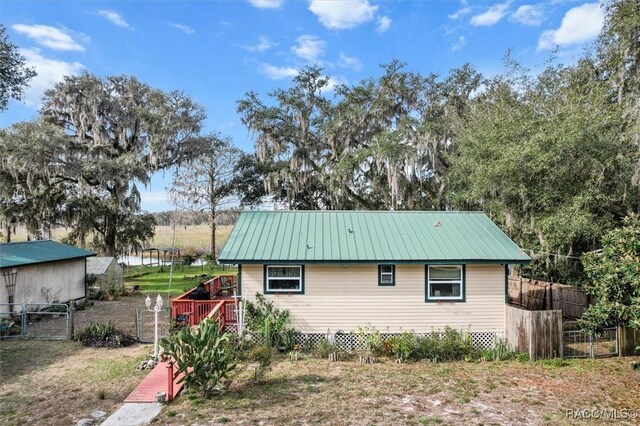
220, 306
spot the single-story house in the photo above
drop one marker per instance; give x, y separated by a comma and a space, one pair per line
395, 271
42, 271
105, 273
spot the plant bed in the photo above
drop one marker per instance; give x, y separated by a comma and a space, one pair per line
100, 335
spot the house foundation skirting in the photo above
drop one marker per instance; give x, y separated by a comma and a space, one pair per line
355, 341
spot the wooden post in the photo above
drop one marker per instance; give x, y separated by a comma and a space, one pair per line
169, 380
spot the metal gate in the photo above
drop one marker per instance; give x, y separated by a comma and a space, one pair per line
580, 344
36, 320
145, 326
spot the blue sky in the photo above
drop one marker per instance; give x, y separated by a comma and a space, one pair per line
216, 50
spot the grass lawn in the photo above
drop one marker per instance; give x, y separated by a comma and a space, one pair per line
152, 280
314, 391
191, 237
60, 382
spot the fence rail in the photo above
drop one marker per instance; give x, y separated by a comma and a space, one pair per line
580, 344
52, 321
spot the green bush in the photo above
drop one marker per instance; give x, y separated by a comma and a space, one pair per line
324, 348
446, 346
272, 325
188, 260
102, 335
263, 355
404, 346
203, 355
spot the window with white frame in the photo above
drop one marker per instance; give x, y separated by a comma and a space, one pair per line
386, 274
445, 282
283, 279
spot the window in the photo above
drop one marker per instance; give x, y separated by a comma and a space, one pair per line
283, 279
445, 282
387, 275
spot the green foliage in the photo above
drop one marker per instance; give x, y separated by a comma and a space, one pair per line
270, 323
449, 345
203, 355
324, 348
502, 352
68, 168
188, 259
14, 74
263, 355
403, 347
614, 279
102, 335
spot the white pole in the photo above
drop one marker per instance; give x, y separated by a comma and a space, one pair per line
155, 339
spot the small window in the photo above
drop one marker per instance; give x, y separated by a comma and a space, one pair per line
283, 279
445, 282
387, 275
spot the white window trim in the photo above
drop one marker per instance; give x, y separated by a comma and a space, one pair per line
391, 275
460, 281
283, 290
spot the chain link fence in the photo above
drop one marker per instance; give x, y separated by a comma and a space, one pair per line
580, 344
36, 321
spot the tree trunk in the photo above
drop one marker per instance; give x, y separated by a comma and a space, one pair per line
8, 233
213, 232
110, 236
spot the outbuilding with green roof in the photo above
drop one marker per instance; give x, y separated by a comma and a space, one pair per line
41, 271
338, 271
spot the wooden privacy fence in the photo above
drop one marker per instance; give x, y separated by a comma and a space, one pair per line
538, 333
540, 295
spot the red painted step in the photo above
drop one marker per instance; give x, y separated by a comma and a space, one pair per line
156, 381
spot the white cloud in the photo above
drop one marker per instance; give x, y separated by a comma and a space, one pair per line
349, 62
309, 47
185, 28
580, 24
384, 23
267, 4
528, 15
264, 44
277, 73
50, 71
459, 43
340, 15
51, 37
114, 17
492, 16
464, 10
333, 82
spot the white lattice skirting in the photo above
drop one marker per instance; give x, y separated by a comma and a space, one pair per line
354, 341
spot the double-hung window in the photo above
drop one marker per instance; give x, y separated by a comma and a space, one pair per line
445, 282
387, 275
283, 279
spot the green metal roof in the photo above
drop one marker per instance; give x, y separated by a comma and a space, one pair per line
368, 237
38, 251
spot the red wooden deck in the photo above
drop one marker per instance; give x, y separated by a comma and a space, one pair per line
156, 381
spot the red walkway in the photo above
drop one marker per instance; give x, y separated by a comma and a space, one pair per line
156, 381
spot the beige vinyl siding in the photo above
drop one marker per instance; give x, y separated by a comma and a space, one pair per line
346, 297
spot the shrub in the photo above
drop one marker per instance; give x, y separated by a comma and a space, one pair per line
268, 322
203, 355
102, 335
324, 348
263, 356
188, 260
403, 347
